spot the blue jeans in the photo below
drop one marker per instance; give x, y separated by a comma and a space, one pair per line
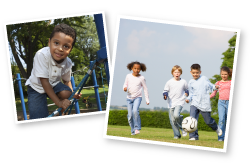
176, 120
194, 112
37, 102
222, 110
134, 119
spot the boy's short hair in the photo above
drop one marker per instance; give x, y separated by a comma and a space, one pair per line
176, 67
196, 67
66, 29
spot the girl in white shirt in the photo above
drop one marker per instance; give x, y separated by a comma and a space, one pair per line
133, 85
176, 90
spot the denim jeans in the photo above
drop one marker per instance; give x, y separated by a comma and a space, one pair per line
176, 120
194, 112
134, 119
37, 102
222, 110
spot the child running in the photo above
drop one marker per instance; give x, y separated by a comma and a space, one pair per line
133, 86
176, 90
51, 65
224, 93
199, 89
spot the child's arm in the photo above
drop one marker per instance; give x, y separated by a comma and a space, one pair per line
68, 83
145, 91
165, 91
189, 98
212, 86
50, 92
214, 92
186, 88
125, 85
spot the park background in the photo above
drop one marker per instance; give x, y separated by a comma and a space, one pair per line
25, 39
161, 46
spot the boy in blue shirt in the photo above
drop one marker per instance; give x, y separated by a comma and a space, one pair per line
199, 89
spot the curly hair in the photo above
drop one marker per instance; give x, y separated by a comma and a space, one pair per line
143, 66
66, 29
196, 67
176, 67
227, 69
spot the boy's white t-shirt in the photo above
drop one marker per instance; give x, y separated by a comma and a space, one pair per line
44, 66
176, 92
134, 87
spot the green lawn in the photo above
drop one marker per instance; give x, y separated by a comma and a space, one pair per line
206, 138
85, 93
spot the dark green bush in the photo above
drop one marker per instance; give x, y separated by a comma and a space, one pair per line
157, 119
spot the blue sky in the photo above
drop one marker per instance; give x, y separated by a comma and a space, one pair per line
161, 46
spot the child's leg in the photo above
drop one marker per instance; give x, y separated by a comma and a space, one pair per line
136, 114
209, 120
222, 110
130, 115
173, 123
62, 91
227, 103
178, 117
37, 104
194, 112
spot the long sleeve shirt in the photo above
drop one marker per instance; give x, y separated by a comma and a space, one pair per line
199, 93
134, 85
224, 90
176, 92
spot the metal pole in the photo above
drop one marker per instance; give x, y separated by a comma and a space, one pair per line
97, 97
101, 35
21, 95
76, 102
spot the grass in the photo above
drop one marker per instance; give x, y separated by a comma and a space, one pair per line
206, 138
85, 93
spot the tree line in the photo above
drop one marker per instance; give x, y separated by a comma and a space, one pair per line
25, 39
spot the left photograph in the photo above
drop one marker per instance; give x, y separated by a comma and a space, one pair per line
59, 67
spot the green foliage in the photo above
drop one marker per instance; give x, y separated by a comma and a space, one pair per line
228, 59
156, 119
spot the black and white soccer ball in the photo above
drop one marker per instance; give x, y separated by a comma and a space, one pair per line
189, 124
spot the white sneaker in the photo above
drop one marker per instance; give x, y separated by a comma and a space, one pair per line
176, 138
137, 132
219, 131
184, 133
132, 133
192, 139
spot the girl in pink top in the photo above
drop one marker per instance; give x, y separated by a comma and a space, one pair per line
224, 93
133, 85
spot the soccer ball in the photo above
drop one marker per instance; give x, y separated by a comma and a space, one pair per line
189, 124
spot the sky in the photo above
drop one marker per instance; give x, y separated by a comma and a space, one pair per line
161, 46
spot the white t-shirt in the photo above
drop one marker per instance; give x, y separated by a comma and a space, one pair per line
176, 92
134, 87
44, 66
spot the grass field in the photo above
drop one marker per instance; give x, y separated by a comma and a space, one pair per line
206, 138
85, 93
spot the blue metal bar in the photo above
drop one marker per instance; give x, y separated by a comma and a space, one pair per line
76, 101
79, 87
102, 53
97, 97
21, 95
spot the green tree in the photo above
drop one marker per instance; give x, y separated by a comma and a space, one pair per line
228, 60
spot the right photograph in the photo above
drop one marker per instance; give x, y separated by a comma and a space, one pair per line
172, 83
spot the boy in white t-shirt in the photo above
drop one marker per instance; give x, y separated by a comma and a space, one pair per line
50, 66
175, 91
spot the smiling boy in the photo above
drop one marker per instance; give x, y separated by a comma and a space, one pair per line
199, 89
51, 65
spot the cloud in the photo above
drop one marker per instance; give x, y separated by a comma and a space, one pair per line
139, 42
207, 40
